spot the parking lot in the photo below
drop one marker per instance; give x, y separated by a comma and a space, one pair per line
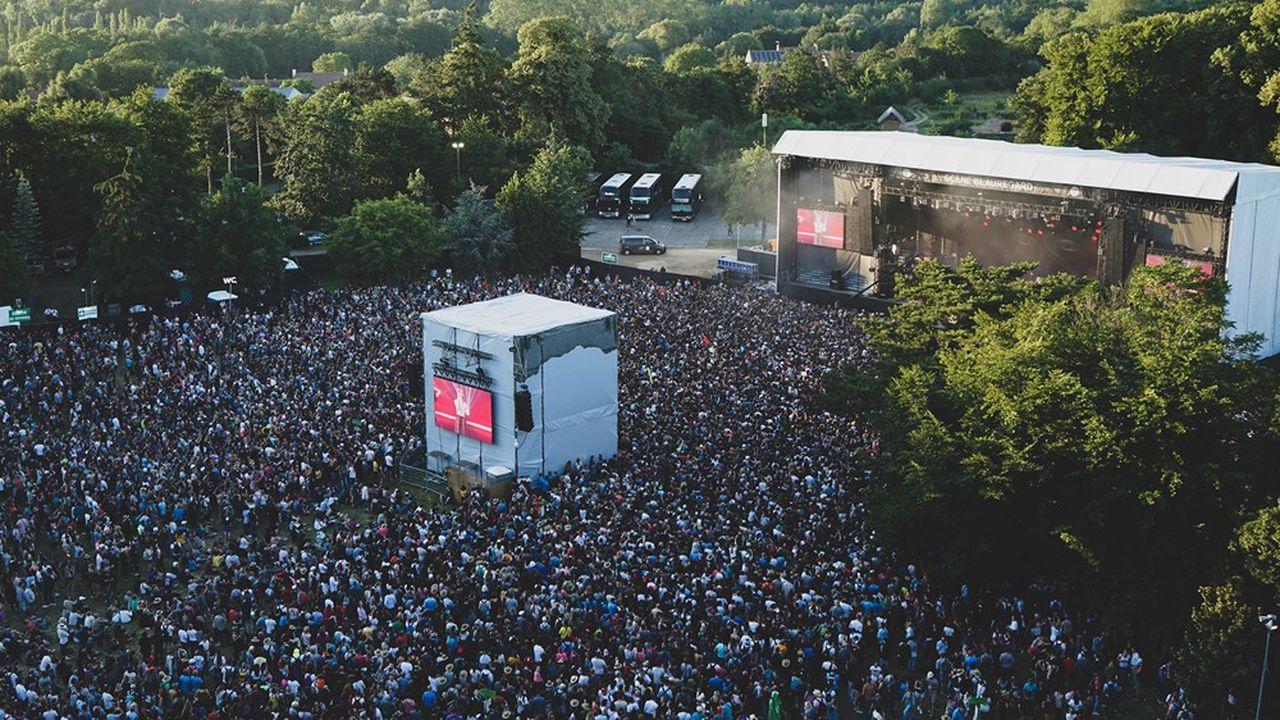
692, 247
705, 228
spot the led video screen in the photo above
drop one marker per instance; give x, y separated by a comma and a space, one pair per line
819, 227
463, 409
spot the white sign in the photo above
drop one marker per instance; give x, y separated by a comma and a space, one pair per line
4, 316
764, 119
230, 280
88, 312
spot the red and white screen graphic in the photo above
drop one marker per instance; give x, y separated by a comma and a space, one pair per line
1203, 266
819, 227
463, 409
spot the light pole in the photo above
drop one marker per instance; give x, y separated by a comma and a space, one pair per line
93, 290
1268, 622
84, 296
764, 129
457, 146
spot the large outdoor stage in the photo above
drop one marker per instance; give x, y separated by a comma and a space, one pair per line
856, 208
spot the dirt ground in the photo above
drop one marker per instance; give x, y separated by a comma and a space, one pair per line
698, 262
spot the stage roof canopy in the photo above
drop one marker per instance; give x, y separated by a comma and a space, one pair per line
515, 315
1131, 172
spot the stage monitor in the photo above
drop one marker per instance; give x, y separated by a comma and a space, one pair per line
463, 410
820, 227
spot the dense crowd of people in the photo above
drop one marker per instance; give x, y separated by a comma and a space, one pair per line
200, 519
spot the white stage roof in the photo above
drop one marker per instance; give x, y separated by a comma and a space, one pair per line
1131, 172
517, 315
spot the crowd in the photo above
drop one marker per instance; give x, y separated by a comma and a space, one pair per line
200, 520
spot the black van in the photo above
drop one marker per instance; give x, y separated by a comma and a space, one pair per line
640, 245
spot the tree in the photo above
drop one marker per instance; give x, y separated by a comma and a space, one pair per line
386, 241
365, 84
1056, 421
479, 240
552, 81
935, 13
129, 251
470, 80
750, 186
393, 138
24, 222
237, 234
12, 82
543, 204
1258, 542
332, 62
1156, 84
689, 57
317, 159
404, 68
666, 34
166, 153
206, 96
259, 113
796, 86
13, 270
1223, 630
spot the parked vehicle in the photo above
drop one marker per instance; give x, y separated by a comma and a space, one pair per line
64, 258
640, 245
313, 237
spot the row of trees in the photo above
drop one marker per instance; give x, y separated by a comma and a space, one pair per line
1108, 439
1200, 83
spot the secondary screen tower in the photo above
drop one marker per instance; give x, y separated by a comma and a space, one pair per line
521, 382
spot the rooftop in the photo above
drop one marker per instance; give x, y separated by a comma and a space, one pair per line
516, 315
1130, 172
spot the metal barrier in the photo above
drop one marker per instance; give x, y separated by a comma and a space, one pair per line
425, 479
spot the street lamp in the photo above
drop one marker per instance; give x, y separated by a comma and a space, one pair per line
1268, 622
84, 296
93, 290
457, 146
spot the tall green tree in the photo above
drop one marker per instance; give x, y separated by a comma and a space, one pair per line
24, 221
14, 279
316, 159
479, 239
395, 137
259, 113
543, 205
1155, 84
206, 96
551, 78
129, 247
796, 86
237, 234
1060, 424
749, 184
469, 81
386, 241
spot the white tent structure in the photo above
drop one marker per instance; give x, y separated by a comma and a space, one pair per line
1251, 192
481, 359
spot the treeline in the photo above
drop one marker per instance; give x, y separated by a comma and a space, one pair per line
1203, 83
1110, 441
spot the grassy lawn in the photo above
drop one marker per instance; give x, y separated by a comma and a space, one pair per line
987, 104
